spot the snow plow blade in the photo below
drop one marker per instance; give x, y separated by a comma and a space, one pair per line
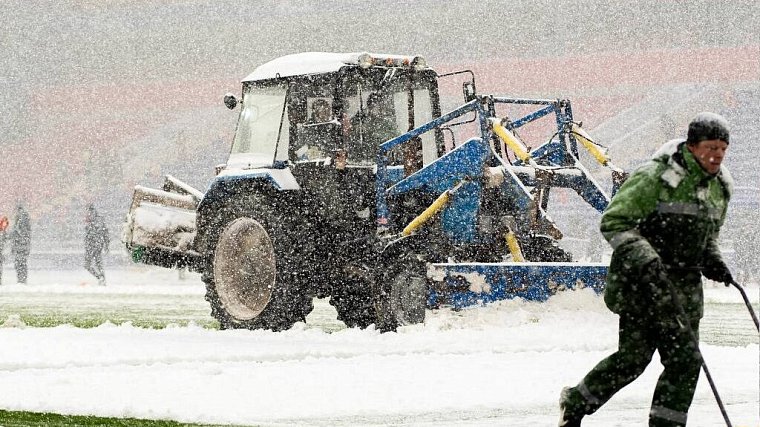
466, 284
160, 226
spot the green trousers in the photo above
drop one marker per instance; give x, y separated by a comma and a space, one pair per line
639, 337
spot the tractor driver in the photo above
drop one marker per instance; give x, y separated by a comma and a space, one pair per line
370, 128
320, 111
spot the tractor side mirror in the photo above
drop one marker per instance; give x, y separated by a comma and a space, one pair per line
468, 88
230, 101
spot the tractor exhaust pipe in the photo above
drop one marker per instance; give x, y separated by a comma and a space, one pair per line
747, 303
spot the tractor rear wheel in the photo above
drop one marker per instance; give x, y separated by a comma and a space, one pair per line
400, 293
250, 279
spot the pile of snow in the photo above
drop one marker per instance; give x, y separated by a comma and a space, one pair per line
155, 225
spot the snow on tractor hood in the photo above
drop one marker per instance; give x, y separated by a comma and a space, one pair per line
282, 179
325, 62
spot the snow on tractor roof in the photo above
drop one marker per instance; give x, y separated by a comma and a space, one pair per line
325, 62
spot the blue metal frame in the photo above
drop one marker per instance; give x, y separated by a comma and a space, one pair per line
463, 162
463, 284
382, 157
452, 167
467, 284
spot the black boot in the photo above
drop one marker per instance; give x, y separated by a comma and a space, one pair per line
569, 416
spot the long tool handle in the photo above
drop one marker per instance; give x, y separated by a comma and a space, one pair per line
684, 321
749, 305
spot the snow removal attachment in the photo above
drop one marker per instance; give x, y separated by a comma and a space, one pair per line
346, 180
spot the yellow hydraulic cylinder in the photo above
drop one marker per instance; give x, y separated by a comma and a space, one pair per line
514, 247
428, 213
511, 140
592, 148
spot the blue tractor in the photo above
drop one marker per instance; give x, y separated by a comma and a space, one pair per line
345, 179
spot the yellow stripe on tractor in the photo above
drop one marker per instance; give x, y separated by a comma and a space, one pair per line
514, 246
428, 213
431, 210
592, 148
511, 140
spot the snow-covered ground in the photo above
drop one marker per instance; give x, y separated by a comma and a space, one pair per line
499, 365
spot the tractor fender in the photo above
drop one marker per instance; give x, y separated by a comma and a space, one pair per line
232, 192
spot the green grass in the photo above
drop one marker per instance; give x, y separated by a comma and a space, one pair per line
91, 310
19, 419
91, 320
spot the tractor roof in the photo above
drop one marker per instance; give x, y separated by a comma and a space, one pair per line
325, 62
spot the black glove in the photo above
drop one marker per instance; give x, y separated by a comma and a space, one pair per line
654, 288
718, 272
653, 274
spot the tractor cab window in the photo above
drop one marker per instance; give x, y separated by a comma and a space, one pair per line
370, 120
263, 127
312, 112
423, 113
376, 108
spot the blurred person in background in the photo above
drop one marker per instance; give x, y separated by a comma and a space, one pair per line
21, 239
96, 242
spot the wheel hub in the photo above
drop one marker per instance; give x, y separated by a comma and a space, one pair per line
244, 268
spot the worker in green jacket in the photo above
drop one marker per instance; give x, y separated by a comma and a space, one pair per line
663, 227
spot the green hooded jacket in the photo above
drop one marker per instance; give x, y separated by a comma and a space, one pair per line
669, 209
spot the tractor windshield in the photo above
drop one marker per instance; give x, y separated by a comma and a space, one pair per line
262, 131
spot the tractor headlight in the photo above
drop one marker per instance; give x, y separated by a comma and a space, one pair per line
365, 60
419, 63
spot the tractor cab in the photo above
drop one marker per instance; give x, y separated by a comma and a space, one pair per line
334, 110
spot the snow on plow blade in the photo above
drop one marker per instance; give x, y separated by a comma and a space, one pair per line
160, 226
465, 284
